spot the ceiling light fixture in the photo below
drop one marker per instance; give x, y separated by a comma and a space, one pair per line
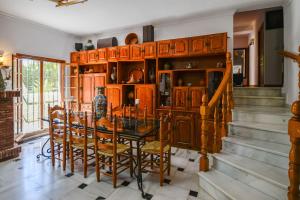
60, 3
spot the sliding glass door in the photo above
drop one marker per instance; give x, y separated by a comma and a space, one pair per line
51, 86
30, 96
39, 81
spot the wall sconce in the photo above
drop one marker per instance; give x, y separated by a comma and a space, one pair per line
1, 58
5, 65
251, 42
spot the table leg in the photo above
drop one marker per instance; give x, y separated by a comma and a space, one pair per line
42, 151
139, 165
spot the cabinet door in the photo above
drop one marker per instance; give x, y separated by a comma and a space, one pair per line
197, 45
217, 43
180, 100
136, 51
164, 48
149, 50
183, 130
114, 95
180, 47
146, 94
74, 57
124, 52
102, 54
83, 57
113, 53
92, 56
99, 80
195, 98
87, 88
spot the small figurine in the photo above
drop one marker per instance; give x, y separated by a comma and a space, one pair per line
100, 102
131, 80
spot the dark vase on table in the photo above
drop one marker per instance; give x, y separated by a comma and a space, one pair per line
100, 102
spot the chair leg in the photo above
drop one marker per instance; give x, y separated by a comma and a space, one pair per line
151, 161
97, 167
72, 158
64, 155
114, 171
161, 169
169, 162
52, 153
58, 151
85, 162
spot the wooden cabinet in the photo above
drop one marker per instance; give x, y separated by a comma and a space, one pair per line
164, 48
114, 95
74, 57
83, 58
99, 80
180, 47
217, 43
187, 98
119, 53
147, 96
124, 52
195, 98
136, 51
180, 98
102, 54
89, 84
112, 53
87, 90
211, 44
92, 56
183, 130
149, 50
177, 47
198, 45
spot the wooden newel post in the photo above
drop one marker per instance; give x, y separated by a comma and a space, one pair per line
204, 112
294, 157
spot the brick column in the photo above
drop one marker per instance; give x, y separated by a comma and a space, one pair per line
8, 149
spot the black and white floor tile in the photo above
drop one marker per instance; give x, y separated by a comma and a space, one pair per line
25, 178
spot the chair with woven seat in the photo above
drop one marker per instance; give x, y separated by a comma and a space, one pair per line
80, 141
109, 153
58, 133
157, 154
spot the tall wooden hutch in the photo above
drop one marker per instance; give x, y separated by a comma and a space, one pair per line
169, 75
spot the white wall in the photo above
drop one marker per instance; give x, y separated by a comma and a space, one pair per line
241, 41
21, 36
178, 28
292, 42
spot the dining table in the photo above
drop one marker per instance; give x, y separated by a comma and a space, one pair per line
129, 128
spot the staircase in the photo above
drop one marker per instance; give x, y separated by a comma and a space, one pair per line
253, 163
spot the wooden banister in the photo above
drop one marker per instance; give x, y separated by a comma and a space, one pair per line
210, 112
223, 85
294, 133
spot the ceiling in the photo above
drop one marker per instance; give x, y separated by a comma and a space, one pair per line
96, 16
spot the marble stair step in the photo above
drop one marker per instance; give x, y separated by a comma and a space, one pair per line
268, 152
223, 187
259, 100
257, 91
261, 114
277, 133
268, 179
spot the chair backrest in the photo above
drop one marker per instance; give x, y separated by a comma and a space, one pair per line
57, 121
101, 138
78, 127
165, 130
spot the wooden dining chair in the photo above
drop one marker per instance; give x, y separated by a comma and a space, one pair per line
111, 154
81, 143
58, 133
157, 154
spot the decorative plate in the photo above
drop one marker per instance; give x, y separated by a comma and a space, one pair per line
137, 74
